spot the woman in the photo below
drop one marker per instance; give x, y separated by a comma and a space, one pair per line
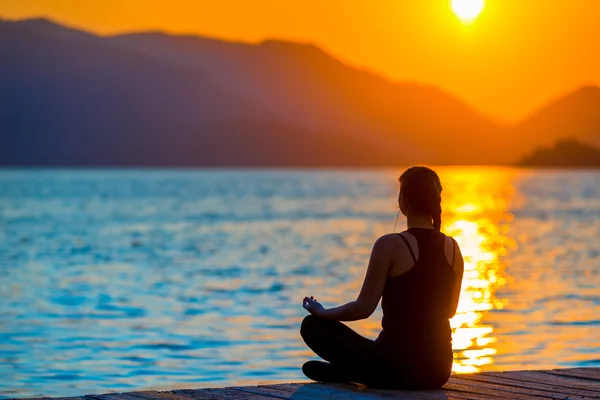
418, 275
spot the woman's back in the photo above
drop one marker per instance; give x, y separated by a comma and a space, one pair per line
416, 304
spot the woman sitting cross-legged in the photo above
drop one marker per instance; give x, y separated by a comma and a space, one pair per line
417, 274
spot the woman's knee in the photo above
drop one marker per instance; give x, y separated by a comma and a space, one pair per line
309, 323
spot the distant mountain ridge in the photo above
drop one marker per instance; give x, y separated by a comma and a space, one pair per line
68, 97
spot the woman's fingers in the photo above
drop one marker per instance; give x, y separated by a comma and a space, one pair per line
308, 302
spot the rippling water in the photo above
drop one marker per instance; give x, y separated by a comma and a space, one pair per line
122, 280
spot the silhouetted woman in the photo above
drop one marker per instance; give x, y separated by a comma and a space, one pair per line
418, 275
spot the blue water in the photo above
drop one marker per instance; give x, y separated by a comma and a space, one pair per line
157, 279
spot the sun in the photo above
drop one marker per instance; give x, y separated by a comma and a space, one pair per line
467, 10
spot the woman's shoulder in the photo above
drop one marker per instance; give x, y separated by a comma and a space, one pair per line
387, 238
388, 242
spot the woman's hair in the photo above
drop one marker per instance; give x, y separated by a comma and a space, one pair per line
421, 189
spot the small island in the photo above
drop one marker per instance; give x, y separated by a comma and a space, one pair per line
569, 153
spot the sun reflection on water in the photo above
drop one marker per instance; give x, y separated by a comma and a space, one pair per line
475, 214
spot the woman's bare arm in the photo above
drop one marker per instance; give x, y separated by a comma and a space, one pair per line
459, 268
379, 264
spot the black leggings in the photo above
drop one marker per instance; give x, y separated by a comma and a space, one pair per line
365, 361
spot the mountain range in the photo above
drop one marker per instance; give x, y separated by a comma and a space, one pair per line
72, 98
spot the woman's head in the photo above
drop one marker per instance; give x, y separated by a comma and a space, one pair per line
420, 194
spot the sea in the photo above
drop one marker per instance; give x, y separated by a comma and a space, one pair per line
118, 280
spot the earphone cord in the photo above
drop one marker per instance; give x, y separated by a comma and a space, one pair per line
396, 223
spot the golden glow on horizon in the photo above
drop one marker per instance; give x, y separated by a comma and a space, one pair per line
467, 10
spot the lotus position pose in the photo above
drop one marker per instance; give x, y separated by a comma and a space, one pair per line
417, 274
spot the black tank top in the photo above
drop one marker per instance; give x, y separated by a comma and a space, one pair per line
416, 304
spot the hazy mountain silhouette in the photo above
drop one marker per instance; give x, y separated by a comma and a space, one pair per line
576, 115
70, 97
564, 153
306, 87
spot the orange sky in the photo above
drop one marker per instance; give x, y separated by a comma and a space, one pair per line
517, 55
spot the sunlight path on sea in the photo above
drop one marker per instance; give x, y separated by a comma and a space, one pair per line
476, 211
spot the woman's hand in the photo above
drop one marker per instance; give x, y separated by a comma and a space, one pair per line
313, 306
